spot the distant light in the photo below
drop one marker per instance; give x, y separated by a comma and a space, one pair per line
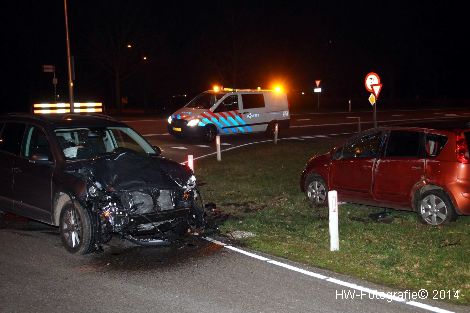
129, 45
145, 58
278, 88
259, 88
216, 88
184, 96
303, 93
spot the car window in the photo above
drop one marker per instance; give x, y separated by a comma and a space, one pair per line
11, 138
35, 142
434, 144
404, 144
86, 143
365, 146
228, 104
253, 101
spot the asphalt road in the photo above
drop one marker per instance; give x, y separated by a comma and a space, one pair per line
38, 275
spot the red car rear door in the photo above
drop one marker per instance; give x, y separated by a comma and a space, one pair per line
401, 167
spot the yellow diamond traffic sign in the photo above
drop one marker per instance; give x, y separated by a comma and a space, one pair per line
372, 99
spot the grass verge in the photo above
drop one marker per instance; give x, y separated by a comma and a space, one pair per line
256, 190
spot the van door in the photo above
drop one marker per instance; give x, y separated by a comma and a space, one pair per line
225, 116
253, 111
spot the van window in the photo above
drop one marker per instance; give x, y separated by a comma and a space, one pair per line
404, 144
204, 100
253, 101
434, 144
12, 136
229, 104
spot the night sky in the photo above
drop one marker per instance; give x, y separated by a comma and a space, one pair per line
419, 49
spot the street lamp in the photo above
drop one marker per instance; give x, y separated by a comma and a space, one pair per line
69, 60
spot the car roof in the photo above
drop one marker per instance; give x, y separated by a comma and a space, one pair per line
54, 121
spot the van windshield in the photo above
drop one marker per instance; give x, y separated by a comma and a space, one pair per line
205, 100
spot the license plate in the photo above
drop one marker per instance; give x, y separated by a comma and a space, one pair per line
177, 129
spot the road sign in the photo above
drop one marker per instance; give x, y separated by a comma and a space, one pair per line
48, 68
371, 79
317, 82
372, 99
376, 90
317, 90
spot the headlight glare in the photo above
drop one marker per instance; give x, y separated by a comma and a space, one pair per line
193, 122
169, 119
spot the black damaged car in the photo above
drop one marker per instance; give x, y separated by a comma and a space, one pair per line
94, 177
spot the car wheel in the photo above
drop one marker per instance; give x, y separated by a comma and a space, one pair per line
435, 208
76, 229
316, 189
209, 133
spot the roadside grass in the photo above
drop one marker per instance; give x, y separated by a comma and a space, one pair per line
256, 189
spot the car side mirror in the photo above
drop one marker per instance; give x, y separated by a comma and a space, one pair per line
157, 149
40, 158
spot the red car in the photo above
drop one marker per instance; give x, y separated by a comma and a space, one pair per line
421, 169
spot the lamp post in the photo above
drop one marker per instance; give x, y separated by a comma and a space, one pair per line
69, 59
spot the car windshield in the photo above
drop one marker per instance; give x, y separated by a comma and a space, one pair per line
89, 142
205, 100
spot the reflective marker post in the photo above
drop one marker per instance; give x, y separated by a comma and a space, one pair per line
333, 217
276, 132
217, 143
191, 162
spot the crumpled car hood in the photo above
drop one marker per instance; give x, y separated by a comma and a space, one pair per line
130, 171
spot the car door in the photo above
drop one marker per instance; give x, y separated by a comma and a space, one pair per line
400, 168
253, 111
351, 170
10, 144
226, 116
32, 179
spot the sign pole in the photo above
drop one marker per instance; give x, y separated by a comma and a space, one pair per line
69, 60
375, 114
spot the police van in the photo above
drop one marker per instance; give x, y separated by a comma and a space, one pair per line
230, 111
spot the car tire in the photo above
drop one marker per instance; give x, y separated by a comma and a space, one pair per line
316, 189
209, 133
435, 208
76, 231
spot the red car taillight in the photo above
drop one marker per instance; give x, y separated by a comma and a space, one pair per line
461, 149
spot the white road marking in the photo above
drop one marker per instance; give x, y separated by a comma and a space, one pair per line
303, 119
292, 138
179, 148
388, 296
396, 115
152, 135
130, 121
333, 134
453, 115
225, 144
383, 121
203, 146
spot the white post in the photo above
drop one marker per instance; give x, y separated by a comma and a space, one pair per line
217, 143
191, 162
276, 132
334, 232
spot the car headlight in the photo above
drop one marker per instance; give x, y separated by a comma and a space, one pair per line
193, 122
169, 119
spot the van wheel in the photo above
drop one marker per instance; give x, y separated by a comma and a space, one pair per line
316, 189
435, 208
76, 229
209, 133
